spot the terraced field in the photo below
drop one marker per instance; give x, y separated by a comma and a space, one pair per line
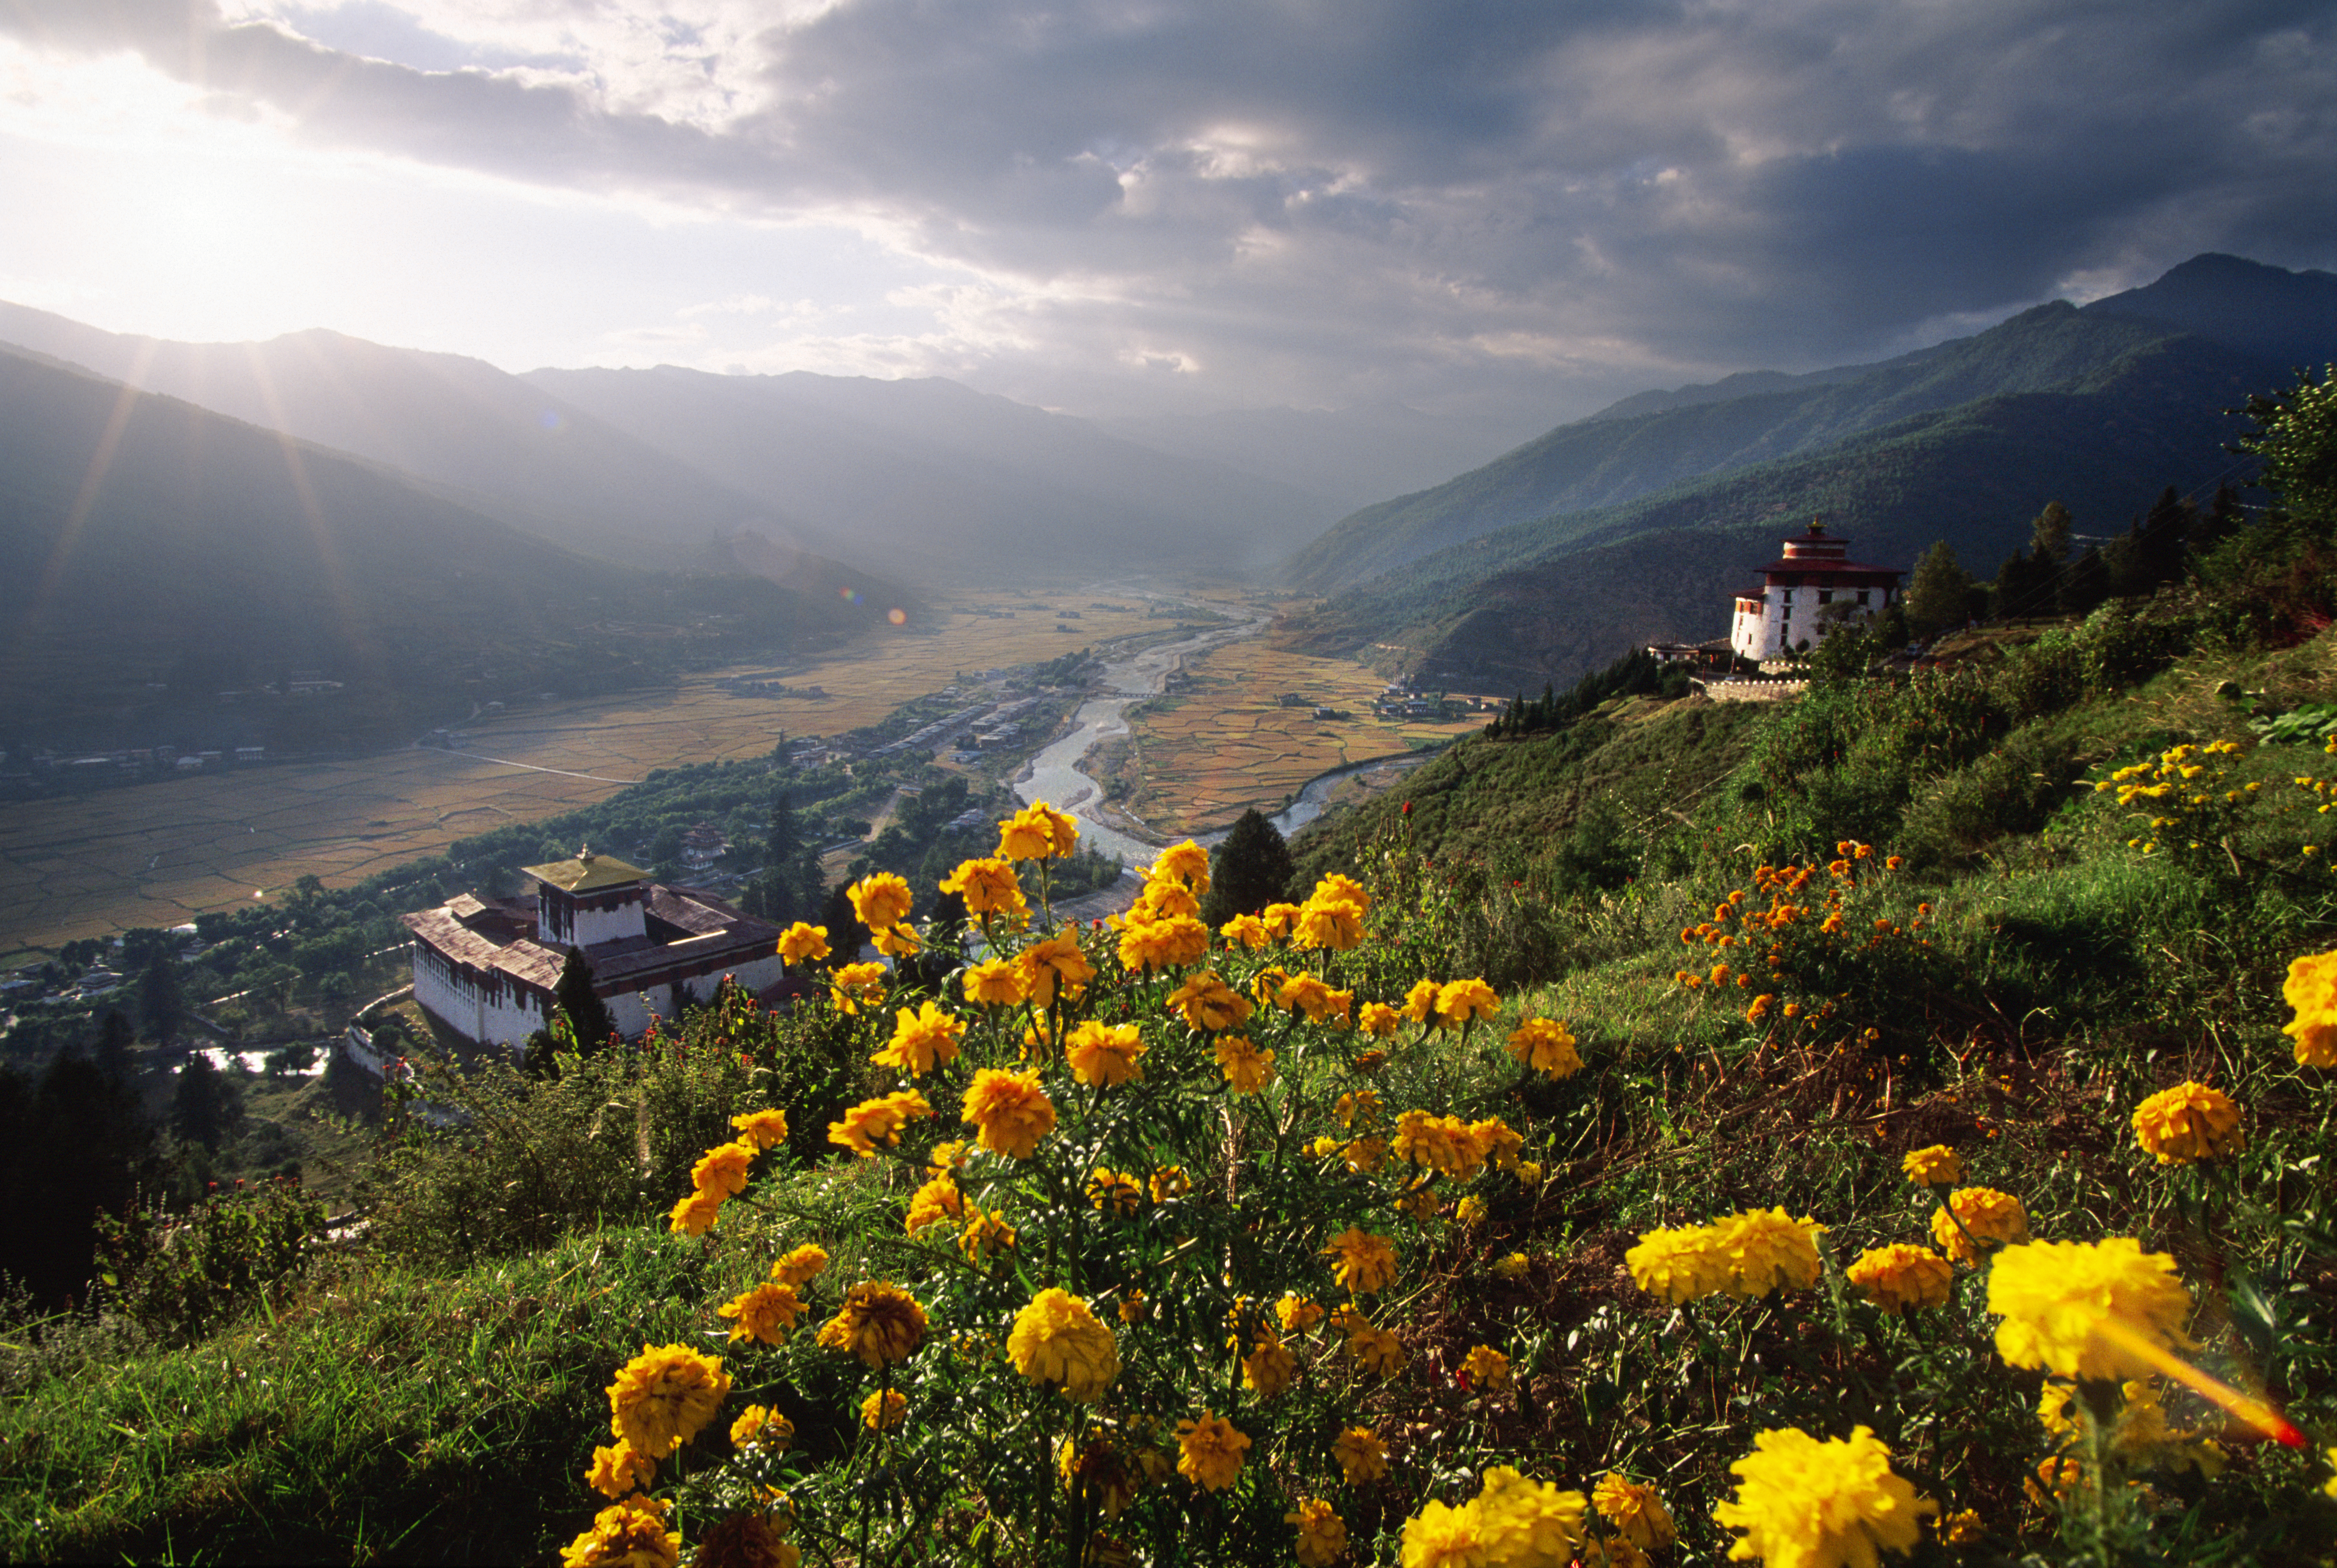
158, 854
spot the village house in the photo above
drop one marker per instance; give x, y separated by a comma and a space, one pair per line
1814, 588
487, 969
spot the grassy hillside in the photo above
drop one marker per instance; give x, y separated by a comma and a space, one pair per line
1712, 971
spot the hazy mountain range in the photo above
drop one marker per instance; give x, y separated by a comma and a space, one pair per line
1639, 521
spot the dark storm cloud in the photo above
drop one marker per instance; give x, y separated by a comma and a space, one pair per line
1365, 196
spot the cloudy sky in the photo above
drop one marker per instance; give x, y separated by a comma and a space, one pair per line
1516, 207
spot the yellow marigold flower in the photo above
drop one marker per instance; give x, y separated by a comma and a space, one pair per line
1525, 1522
1898, 1276
1322, 1534
1306, 993
988, 885
1208, 1003
1679, 1264
1758, 1008
1634, 1510
760, 1427
765, 1313
1471, 1211
1547, 1045
1110, 1191
664, 1396
1936, 1166
1245, 1068
1441, 1537
1186, 862
1339, 927
722, 1172
1170, 1182
1446, 1145
1529, 1173
923, 1040
1055, 964
1498, 1142
1363, 1263
1111, 1484
1010, 1110
617, 1470
1376, 1350
879, 1322
994, 983
880, 900
1269, 1367
1338, 888
631, 1531
853, 984
1366, 1103
1056, 1339
1209, 1451
1361, 1456
1163, 944
2067, 1306
1963, 1527
1378, 1020
2189, 1122
1279, 919
1513, 1266
1805, 1503
1247, 930
882, 1411
1767, 1249
1297, 1313
800, 942
1989, 1215
2311, 990
1160, 899
695, 1214
1463, 1002
1420, 1001
939, 1199
898, 941
985, 1235
1369, 1062
762, 1129
1486, 1369
1420, 1203
880, 1120
1037, 833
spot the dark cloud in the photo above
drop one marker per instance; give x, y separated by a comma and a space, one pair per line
1326, 199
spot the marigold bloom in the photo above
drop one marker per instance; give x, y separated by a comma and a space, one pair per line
1208, 1003
1159, 899
1170, 1182
762, 1129
760, 1428
1767, 1249
1279, 919
880, 1120
1443, 1536
1269, 1367
695, 1214
1680, 1263
1369, 1062
1804, 1503
1989, 1215
988, 885
1247, 930
939, 1199
1337, 926
765, 1313
1445, 1144
1245, 1068
883, 1410
1898, 1276
1500, 1144
617, 1470
1305, 993
1112, 1192
879, 1323
1379, 1020
1361, 1456
1486, 1369
1471, 1211
1322, 1534
1634, 1510
1525, 1522
1037, 833
984, 1236
800, 942
722, 1172
994, 983
1547, 1045
1055, 964
1186, 862
852, 984
1296, 1313
1010, 1110
1363, 1263
1364, 1103
664, 1396
2311, 990
1099, 1466
880, 900
1209, 1451
1513, 1266
631, 1531
1936, 1166
898, 941
1163, 944
1376, 1350
922, 1040
2067, 1306
2189, 1122
1420, 1001
1463, 1002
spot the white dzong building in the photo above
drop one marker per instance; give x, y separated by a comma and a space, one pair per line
1813, 589
488, 970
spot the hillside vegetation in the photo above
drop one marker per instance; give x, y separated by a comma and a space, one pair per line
1867, 1126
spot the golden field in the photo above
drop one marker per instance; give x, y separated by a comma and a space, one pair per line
1222, 742
158, 854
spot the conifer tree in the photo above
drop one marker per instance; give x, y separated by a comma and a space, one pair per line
588, 1015
1250, 869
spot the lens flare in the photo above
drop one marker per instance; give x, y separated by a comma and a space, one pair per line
897, 617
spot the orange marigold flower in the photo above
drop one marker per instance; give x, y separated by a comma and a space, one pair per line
762, 1129
1989, 1215
1105, 1055
984, 1236
898, 941
1322, 1534
722, 1172
1055, 964
988, 885
1208, 1003
800, 942
1636, 1511
1170, 1182
883, 1410
1010, 1110
939, 1199
695, 1214
662, 1396
801, 1266
1421, 1000
1057, 1340
880, 900
2073, 1306
876, 1121
1463, 1002
1338, 927
1247, 930
1361, 1456
1547, 1045
1935, 1166
1363, 1263
922, 1040
1186, 862
2311, 990
1209, 1451
853, 984
1486, 1369
618, 1470
764, 1313
1900, 1277
1113, 1192
631, 1531
1247, 1069
2189, 1122
879, 1323
759, 1426
994, 983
